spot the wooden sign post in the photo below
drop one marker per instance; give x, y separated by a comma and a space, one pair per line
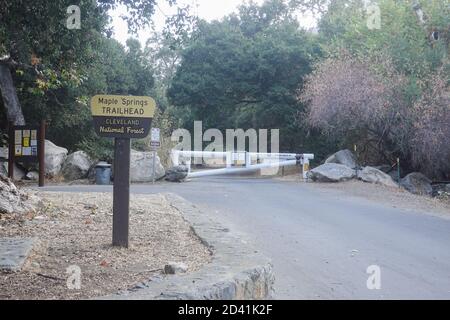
155, 143
122, 118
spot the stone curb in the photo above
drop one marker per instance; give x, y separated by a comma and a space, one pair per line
237, 272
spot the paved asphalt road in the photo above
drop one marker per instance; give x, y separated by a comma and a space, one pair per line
322, 244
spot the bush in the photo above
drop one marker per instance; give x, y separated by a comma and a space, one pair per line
353, 103
430, 144
362, 102
100, 149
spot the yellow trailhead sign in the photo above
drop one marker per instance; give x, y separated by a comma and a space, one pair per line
123, 106
122, 116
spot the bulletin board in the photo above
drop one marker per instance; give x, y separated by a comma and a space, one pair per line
26, 143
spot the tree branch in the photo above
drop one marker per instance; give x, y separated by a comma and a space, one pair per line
12, 64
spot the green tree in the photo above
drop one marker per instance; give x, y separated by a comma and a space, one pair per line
244, 72
401, 36
37, 47
408, 58
54, 71
118, 70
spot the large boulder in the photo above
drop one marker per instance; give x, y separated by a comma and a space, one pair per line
54, 158
19, 173
92, 173
177, 174
417, 183
392, 171
373, 175
4, 169
4, 153
344, 157
141, 169
77, 166
394, 175
332, 172
12, 200
385, 168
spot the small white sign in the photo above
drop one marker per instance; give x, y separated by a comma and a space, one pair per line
155, 140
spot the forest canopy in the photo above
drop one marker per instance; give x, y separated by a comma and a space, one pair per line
371, 73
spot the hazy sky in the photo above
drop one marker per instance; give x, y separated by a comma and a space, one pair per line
206, 9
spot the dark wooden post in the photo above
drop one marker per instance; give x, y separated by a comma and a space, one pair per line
121, 202
41, 154
11, 150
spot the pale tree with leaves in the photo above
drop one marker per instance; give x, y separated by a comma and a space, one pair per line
383, 93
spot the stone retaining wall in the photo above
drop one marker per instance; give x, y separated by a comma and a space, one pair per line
237, 271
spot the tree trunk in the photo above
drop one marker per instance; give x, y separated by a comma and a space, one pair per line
9, 95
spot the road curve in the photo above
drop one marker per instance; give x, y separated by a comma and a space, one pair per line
321, 244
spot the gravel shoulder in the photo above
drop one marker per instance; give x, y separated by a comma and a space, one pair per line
389, 196
74, 229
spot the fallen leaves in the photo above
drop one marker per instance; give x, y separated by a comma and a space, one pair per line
77, 230
104, 263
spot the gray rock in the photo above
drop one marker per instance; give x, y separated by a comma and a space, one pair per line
373, 175
417, 183
175, 268
20, 169
19, 173
344, 157
4, 169
9, 196
177, 174
141, 169
92, 173
439, 190
32, 175
447, 188
4, 153
54, 158
12, 200
384, 168
332, 172
391, 171
394, 175
13, 253
77, 166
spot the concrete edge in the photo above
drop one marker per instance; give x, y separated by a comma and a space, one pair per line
237, 272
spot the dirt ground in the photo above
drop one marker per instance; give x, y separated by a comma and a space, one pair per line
75, 229
394, 197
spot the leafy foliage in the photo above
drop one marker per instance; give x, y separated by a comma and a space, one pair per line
244, 72
430, 143
350, 102
400, 37
388, 89
385, 89
58, 69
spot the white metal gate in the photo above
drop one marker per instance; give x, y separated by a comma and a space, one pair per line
251, 161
